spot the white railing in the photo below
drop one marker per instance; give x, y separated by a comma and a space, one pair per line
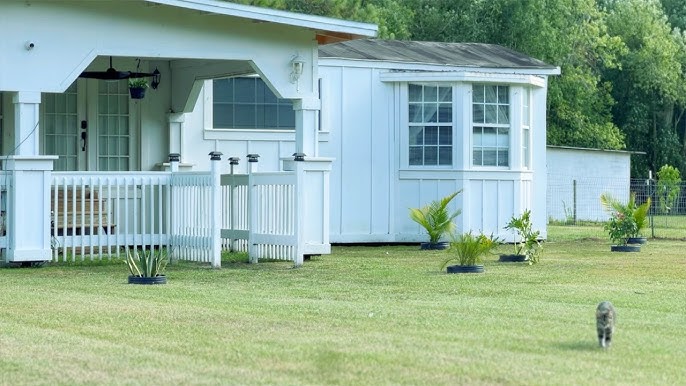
267, 229
191, 209
96, 215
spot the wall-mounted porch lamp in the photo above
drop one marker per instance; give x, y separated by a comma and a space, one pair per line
156, 77
297, 64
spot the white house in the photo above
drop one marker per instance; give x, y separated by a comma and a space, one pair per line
405, 123
78, 150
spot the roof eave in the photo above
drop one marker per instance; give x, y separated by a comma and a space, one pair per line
328, 30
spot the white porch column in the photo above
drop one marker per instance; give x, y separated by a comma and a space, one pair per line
28, 208
216, 216
306, 136
176, 121
26, 122
312, 206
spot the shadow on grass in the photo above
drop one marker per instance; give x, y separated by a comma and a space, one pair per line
585, 345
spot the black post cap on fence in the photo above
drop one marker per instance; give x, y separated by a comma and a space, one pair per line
234, 160
174, 157
299, 156
215, 156
253, 157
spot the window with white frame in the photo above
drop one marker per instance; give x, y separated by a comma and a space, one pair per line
247, 103
490, 125
526, 128
430, 139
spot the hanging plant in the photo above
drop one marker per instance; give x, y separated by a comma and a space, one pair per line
137, 87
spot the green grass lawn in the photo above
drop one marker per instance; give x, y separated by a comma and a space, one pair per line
361, 316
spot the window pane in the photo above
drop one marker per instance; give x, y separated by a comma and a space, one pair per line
245, 116
477, 157
415, 111
445, 136
416, 155
491, 94
222, 90
416, 135
445, 155
431, 135
415, 93
431, 155
222, 116
478, 136
478, 113
503, 137
270, 119
491, 114
503, 114
430, 113
478, 93
503, 157
445, 113
503, 94
445, 94
286, 116
244, 90
489, 157
489, 136
430, 94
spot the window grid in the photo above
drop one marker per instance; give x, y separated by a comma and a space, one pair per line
113, 125
491, 125
430, 125
247, 103
61, 127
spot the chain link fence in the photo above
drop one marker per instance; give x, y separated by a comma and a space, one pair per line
575, 202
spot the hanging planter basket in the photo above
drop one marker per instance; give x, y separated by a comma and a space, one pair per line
137, 92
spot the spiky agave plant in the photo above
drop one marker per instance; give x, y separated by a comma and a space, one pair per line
436, 218
148, 263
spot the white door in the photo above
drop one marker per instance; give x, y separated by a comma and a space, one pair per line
91, 127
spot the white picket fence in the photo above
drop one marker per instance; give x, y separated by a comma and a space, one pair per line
260, 215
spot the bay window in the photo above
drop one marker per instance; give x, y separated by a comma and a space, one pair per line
490, 125
430, 137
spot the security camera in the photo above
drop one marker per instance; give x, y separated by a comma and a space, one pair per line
30, 45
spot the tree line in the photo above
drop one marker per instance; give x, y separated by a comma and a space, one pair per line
623, 62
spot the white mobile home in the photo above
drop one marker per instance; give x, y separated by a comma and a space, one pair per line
405, 123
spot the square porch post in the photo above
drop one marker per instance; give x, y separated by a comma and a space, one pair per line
28, 199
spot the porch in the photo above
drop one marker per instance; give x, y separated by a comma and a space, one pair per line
195, 215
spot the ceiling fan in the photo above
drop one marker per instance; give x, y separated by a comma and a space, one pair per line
112, 74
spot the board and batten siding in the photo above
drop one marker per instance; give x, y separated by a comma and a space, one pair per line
357, 113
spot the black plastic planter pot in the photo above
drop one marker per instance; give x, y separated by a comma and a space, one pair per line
465, 269
161, 279
512, 258
434, 246
636, 240
625, 248
137, 92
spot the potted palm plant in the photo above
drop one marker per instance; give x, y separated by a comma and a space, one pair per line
137, 87
437, 220
468, 250
526, 244
147, 267
626, 222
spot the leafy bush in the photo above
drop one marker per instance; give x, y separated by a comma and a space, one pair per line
527, 244
468, 249
668, 184
626, 219
436, 218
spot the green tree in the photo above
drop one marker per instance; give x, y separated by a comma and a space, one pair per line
668, 187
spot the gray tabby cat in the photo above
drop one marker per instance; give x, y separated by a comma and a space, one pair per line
605, 322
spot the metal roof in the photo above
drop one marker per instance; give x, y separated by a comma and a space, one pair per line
473, 55
328, 29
